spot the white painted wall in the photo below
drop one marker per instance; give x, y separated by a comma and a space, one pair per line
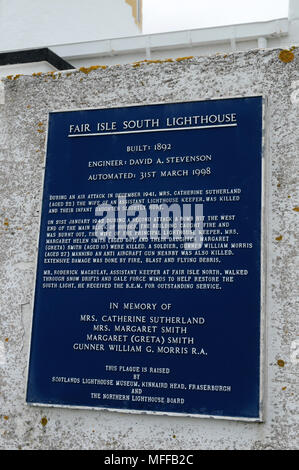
104, 32
294, 22
294, 9
25, 69
28, 24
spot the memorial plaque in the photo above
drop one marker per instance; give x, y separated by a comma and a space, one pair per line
148, 293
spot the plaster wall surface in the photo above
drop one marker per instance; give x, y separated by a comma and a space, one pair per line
24, 105
35, 24
26, 69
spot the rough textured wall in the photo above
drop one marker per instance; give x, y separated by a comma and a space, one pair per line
23, 117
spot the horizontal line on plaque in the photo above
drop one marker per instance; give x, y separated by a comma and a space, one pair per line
151, 130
